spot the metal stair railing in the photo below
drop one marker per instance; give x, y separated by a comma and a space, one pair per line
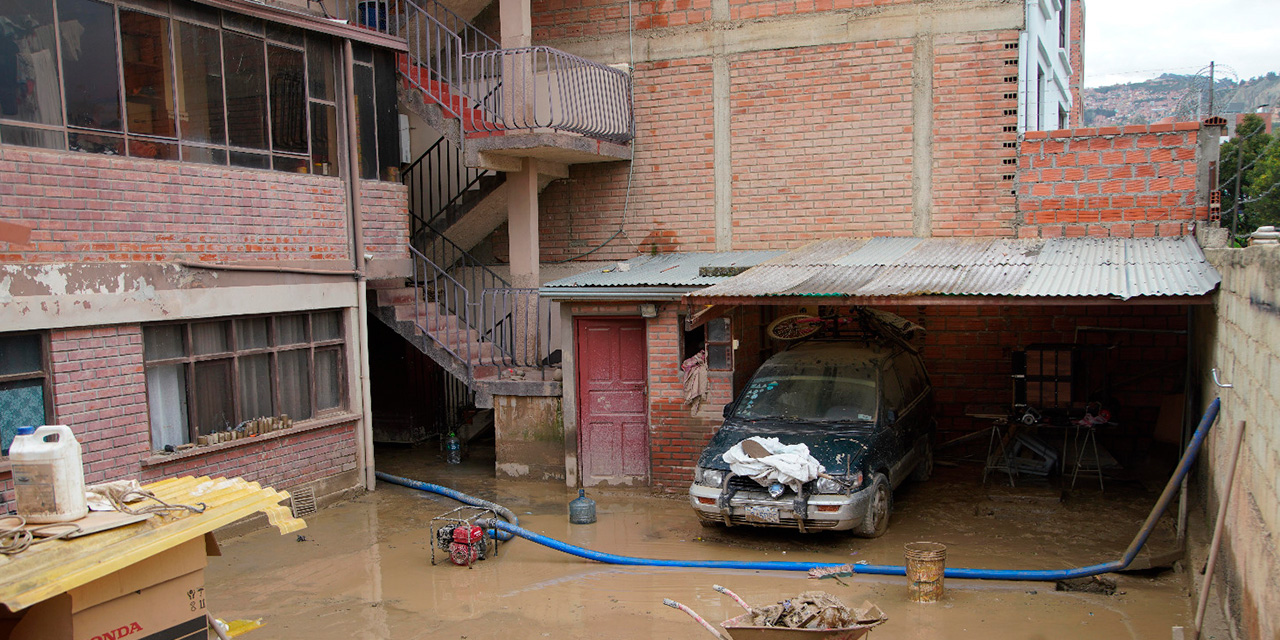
437, 288
438, 184
520, 325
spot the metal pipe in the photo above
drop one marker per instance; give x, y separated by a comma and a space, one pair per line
365, 441
1218, 527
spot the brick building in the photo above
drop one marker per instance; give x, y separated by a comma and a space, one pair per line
187, 233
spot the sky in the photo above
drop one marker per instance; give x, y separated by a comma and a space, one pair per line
1134, 40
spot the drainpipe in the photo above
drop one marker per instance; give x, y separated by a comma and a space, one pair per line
364, 442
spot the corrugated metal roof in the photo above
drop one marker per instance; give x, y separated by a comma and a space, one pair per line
667, 269
898, 267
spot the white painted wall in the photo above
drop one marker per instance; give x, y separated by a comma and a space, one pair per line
1044, 84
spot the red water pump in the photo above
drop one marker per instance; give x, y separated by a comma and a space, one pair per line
467, 544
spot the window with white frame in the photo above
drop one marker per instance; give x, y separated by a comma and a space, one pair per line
210, 376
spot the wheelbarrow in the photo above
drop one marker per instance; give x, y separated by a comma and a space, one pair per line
741, 627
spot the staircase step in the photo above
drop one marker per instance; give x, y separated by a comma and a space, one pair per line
396, 297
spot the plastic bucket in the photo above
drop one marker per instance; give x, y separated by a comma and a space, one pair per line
925, 564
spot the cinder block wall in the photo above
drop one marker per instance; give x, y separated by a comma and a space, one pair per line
1240, 341
1135, 181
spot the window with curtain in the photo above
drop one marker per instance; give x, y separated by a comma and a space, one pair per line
210, 377
25, 391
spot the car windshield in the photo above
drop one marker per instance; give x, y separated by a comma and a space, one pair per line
810, 392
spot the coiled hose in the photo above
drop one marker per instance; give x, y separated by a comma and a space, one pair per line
460, 497
1184, 466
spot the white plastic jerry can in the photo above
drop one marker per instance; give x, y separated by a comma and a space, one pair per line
48, 476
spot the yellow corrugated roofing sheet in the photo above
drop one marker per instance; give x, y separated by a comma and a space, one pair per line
55, 567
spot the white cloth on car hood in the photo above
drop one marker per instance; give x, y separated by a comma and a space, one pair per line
789, 464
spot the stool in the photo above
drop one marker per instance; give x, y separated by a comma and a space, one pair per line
1090, 440
997, 455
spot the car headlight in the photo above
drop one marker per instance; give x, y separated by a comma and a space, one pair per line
708, 477
841, 484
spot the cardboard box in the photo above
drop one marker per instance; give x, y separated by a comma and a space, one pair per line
160, 597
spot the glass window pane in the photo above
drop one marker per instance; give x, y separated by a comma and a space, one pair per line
214, 411
29, 88
20, 354
94, 143
255, 387
90, 76
209, 337
291, 330
246, 66
320, 70
285, 33
718, 330
250, 160
295, 384
362, 52
204, 155
193, 11
163, 342
324, 140
328, 378
387, 77
32, 137
140, 148
291, 164
199, 86
21, 405
243, 23
288, 100
367, 142
252, 333
167, 402
148, 74
327, 325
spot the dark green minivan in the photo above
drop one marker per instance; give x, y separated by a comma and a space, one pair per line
864, 408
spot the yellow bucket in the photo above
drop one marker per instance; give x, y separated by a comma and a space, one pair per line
926, 562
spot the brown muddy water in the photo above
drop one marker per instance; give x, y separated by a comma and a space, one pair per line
364, 569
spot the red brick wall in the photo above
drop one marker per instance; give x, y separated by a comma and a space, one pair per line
385, 209
99, 390
1139, 181
672, 191
973, 105
749, 9
558, 19
821, 136
87, 207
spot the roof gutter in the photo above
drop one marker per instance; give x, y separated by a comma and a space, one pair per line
576, 294
945, 300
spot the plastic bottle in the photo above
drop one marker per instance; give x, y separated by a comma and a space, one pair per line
452, 450
48, 476
582, 510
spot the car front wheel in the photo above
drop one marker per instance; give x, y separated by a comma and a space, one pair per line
876, 521
924, 467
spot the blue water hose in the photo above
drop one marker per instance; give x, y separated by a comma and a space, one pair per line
1171, 489
460, 497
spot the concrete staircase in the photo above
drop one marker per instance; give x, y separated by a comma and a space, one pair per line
457, 348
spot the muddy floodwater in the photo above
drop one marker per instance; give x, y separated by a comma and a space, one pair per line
364, 568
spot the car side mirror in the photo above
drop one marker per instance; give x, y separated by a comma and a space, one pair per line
727, 410
892, 415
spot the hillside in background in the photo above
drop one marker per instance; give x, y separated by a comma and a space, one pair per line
1183, 97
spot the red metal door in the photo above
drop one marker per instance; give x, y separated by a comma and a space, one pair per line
612, 368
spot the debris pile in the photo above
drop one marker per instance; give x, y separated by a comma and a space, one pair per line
814, 610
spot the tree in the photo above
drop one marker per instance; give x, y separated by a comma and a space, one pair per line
1255, 155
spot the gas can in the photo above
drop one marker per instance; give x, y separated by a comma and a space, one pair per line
48, 476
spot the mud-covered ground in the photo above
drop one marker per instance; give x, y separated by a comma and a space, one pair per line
364, 569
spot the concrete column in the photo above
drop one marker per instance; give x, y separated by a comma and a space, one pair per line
922, 137
515, 19
522, 224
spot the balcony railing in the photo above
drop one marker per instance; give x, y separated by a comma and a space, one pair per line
491, 89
